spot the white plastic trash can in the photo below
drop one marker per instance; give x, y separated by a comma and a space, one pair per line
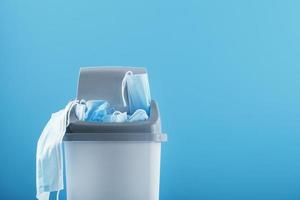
112, 161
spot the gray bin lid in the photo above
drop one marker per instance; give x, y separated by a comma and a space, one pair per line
105, 83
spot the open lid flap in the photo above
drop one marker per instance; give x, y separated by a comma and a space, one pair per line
104, 83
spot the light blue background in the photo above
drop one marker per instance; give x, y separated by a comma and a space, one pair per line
226, 75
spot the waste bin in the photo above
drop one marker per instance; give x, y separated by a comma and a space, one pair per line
112, 161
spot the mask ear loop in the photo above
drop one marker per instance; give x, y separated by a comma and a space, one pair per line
57, 195
124, 81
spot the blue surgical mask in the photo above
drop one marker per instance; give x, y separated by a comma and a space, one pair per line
138, 115
49, 158
96, 109
116, 116
138, 92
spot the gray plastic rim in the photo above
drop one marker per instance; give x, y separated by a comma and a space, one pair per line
117, 137
147, 131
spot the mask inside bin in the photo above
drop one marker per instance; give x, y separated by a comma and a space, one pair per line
101, 111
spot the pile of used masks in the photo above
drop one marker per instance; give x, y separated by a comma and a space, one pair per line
137, 103
101, 111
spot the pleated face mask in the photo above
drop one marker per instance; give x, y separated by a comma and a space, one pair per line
96, 110
138, 92
138, 115
49, 159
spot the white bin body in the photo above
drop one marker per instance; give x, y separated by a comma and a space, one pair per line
97, 170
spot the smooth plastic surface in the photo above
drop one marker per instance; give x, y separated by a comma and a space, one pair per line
112, 170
